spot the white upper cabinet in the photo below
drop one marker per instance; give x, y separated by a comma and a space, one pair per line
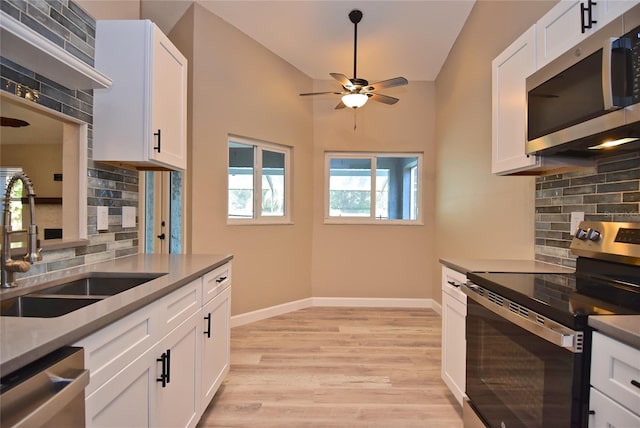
141, 121
509, 103
567, 24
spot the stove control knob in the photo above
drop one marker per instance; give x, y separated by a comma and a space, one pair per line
581, 234
593, 235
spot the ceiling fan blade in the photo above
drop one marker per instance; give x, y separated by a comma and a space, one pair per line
389, 83
344, 80
322, 93
340, 105
383, 98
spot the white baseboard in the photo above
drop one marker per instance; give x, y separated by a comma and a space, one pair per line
269, 312
261, 314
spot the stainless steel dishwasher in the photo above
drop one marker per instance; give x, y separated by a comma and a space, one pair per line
46, 393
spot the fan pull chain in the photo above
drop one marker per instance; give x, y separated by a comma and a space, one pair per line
355, 111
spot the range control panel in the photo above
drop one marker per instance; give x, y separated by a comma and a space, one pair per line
608, 240
628, 236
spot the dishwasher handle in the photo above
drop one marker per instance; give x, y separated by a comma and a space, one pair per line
56, 403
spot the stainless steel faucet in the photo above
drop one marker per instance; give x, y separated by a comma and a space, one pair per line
9, 266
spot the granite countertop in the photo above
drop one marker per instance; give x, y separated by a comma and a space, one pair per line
624, 328
23, 340
479, 265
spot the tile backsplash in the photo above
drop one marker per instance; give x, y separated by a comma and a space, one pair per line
610, 191
66, 24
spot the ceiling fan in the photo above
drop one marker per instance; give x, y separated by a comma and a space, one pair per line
356, 92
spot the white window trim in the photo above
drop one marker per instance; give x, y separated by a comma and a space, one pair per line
371, 220
258, 219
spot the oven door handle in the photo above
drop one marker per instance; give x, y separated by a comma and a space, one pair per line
556, 334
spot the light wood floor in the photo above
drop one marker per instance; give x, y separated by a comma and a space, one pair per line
336, 367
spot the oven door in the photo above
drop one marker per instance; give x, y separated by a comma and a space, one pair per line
515, 378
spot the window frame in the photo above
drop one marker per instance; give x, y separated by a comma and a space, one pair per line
259, 147
373, 156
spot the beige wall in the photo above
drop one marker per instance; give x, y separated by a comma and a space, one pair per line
374, 260
479, 215
111, 9
39, 162
239, 87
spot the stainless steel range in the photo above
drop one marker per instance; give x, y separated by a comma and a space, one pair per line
528, 341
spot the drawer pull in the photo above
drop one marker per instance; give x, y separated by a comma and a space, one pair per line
208, 331
635, 383
168, 365
220, 279
163, 377
455, 284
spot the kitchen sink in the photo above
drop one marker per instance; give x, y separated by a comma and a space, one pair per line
100, 284
78, 292
41, 306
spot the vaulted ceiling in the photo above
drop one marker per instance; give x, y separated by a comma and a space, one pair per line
395, 38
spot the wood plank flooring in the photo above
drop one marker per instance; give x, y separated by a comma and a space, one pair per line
336, 367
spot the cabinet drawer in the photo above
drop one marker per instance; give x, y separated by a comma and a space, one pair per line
216, 281
178, 306
451, 281
614, 366
112, 348
604, 412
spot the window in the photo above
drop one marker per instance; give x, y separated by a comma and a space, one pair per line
255, 165
15, 203
372, 188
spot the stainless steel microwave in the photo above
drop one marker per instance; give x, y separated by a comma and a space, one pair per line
586, 103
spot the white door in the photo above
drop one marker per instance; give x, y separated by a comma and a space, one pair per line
163, 224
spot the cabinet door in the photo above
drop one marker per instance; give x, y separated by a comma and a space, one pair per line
176, 404
454, 345
125, 400
509, 102
614, 368
215, 344
559, 30
169, 100
605, 413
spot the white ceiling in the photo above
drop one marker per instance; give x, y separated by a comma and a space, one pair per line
395, 38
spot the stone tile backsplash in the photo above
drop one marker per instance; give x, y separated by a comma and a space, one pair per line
66, 24
610, 191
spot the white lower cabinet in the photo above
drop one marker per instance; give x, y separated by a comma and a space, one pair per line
161, 365
614, 398
125, 400
454, 352
176, 401
215, 344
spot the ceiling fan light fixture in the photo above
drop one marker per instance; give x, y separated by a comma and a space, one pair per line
354, 100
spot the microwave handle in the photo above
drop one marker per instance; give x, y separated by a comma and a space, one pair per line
608, 73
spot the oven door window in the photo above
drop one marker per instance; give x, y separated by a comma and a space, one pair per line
515, 378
